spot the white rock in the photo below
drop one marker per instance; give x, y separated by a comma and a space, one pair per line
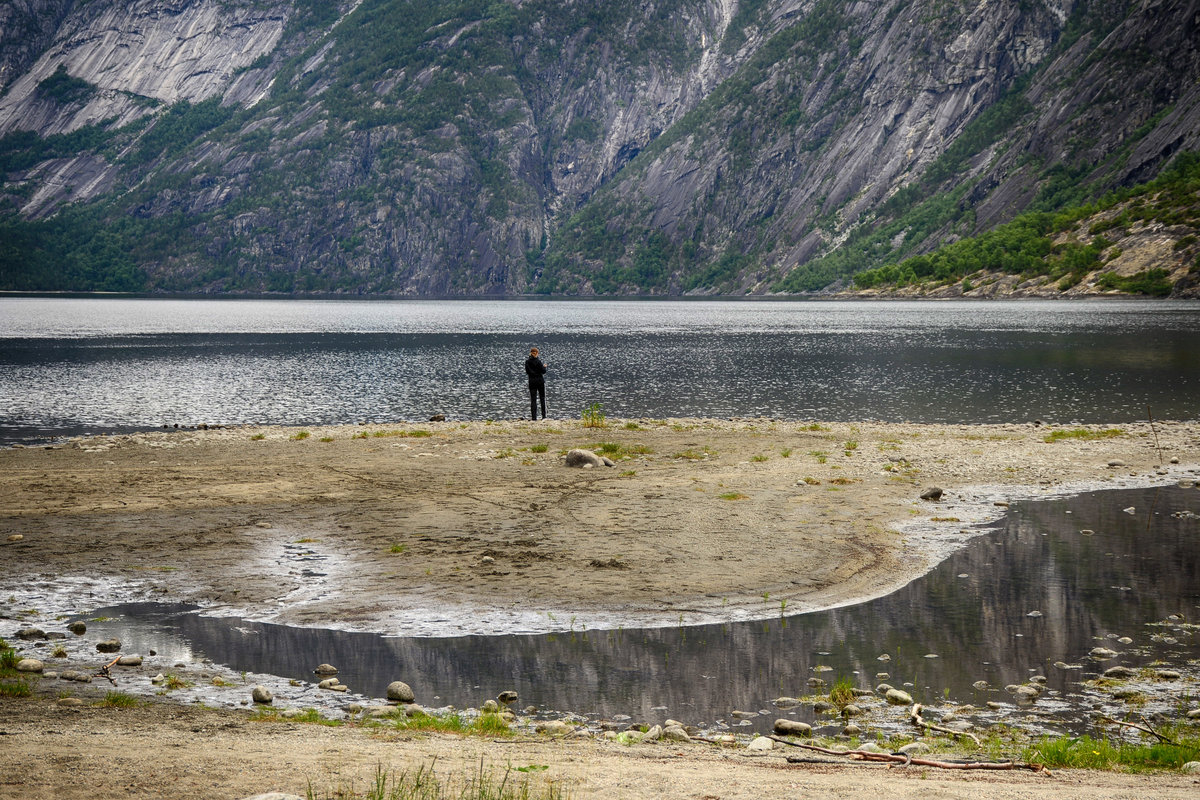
760, 744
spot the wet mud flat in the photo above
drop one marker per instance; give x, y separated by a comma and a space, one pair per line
1023, 627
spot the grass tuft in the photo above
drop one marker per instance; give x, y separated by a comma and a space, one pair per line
118, 700
1084, 434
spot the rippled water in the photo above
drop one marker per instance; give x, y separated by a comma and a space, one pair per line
971, 612
87, 365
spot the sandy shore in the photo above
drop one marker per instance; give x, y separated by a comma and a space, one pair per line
698, 519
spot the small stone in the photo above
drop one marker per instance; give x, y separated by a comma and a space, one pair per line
760, 744
292, 713
1191, 768
261, 694
851, 730
1026, 695
31, 633
159, 678
16, 537
329, 683
994, 706
129, 661
851, 710
1102, 653
77, 627
816, 683
883, 688
490, 707
933, 493
1116, 462
1119, 672
1035, 614
30, 665
786, 702
883, 657
1131, 510
326, 669
1065, 665
400, 692
1169, 675
1125, 640
381, 712
109, 645
437, 418
914, 748
1194, 713
1038, 678
654, 734
981, 685
791, 727
898, 697
821, 706
70, 702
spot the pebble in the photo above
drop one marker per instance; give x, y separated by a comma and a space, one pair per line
1130, 510
980, 685
70, 702
1119, 672
16, 537
992, 704
556, 727
1125, 640
1087, 532
933, 493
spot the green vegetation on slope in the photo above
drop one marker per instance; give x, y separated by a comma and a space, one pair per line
1026, 246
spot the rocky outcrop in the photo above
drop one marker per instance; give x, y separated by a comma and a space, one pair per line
669, 147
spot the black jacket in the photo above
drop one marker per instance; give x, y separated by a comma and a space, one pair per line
535, 369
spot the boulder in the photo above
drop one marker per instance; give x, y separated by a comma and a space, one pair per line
78, 627
554, 727
129, 661
933, 494
654, 734
792, 727
31, 633
760, 744
1119, 672
109, 645
326, 669
261, 694
675, 733
490, 707
583, 458
898, 697
30, 665
1191, 768
507, 697
400, 692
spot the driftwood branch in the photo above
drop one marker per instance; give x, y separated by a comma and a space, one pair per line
921, 722
1147, 729
104, 673
905, 759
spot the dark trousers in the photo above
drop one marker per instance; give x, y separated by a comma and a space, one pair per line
537, 391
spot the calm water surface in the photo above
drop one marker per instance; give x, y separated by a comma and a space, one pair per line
971, 612
93, 365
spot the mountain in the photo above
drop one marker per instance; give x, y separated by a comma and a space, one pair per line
502, 147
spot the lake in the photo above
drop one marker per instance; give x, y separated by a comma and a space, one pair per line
71, 365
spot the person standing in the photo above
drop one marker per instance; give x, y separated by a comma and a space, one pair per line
536, 371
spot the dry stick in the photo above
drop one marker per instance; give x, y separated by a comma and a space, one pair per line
919, 721
1155, 432
1148, 730
896, 758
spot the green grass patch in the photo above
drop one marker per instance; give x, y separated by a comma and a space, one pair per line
484, 783
300, 436
398, 549
633, 426
258, 437
539, 448
593, 416
1084, 752
115, 699
173, 681
732, 496
483, 725
758, 459
1083, 433
617, 451
842, 693
19, 688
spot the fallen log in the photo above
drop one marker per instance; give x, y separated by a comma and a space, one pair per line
904, 759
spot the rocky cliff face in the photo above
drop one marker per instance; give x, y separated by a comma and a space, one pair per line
658, 146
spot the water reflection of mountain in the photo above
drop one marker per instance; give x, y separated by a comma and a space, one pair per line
977, 626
